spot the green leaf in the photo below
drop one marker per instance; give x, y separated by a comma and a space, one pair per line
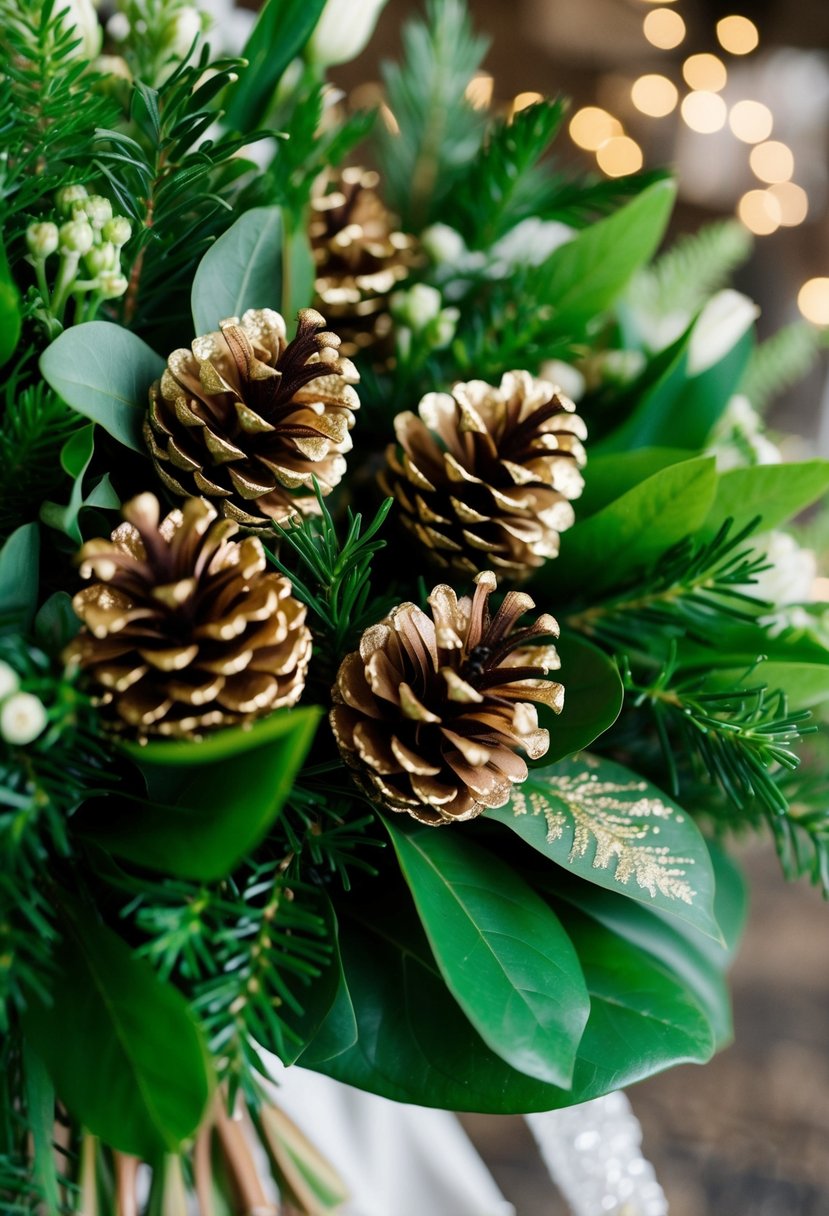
777, 492
415, 1045
585, 276
19, 574
608, 477
605, 823
242, 270
806, 685
282, 29
56, 623
104, 372
500, 949
125, 1053
633, 531
593, 698
75, 457
298, 272
40, 1119
10, 313
206, 811
338, 1030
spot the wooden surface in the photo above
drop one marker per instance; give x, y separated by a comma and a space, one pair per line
747, 1134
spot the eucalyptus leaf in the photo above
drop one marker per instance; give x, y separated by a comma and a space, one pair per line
585, 276
202, 819
243, 269
19, 574
104, 372
776, 492
633, 531
282, 29
500, 949
593, 698
124, 1051
76, 456
609, 826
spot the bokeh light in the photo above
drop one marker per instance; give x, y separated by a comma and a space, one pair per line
704, 112
751, 121
664, 28
619, 156
479, 90
813, 301
592, 126
759, 210
524, 100
772, 161
705, 72
793, 202
654, 95
737, 35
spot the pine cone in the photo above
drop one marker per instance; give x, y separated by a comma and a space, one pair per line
184, 631
360, 258
489, 471
432, 711
248, 418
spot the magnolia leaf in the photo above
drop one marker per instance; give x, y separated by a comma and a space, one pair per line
776, 492
338, 1030
593, 699
242, 270
104, 372
611, 827
316, 998
500, 949
124, 1051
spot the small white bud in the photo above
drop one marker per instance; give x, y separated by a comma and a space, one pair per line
112, 284
76, 236
100, 259
722, 323
343, 30
118, 27
68, 197
80, 15
42, 239
418, 306
96, 209
118, 230
443, 244
22, 718
9, 680
183, 29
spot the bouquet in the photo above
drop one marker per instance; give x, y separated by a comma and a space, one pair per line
395, 621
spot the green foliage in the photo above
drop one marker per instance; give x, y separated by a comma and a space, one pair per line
437, 130
501, 951
781, 361
593, 698
75, 458
281, 31
688, 274
10, 311
769, 493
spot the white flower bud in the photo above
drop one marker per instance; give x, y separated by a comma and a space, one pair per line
42, 239
443, 244
112, 284
80, 15
792, 571
9, 680
76, 236
417, 307
118, 27
343, 30
67, 198
118, 230
22, 718
445, 327
725, 319
96, 209
565, 377
101, 258
183, 29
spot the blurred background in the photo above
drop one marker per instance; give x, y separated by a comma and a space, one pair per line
736, 99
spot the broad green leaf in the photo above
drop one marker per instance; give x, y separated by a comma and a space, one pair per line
75, 457
104, 372
584, 277
208, 807
606, 824
593, 698
806, 685
777, 492
500, 950
338, 1030
609, 477
124, 1052
281, 31
242, 270
633, 531
56, 623
19, 574
10, 313
415, 1045
316, 998
40, 1121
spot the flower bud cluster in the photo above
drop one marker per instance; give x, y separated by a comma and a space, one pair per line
423, 324
22, 715
88, 240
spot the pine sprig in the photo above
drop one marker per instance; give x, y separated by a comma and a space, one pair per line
781, 361
696, 266
34, 426
437, 131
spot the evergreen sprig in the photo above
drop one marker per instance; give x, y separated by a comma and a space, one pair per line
688, 274
781, 361
436, 130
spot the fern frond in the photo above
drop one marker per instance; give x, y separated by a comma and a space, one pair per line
781, 361
696, 266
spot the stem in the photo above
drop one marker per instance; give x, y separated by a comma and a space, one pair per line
126, 1171
203, 1171
88, 1175
254, 1201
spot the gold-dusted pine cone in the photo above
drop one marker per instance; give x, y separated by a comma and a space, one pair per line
432, 711
184, 631
489, 471
248, 419
360, 257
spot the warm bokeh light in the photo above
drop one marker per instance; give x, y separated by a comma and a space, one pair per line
760, 212
619, 156
705, 72
664, 28
479, 91
591, 126
391, 123
751, 121
524, 100
737, 35
704, 112
813, 301
793, 202
772, 161
654, 95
